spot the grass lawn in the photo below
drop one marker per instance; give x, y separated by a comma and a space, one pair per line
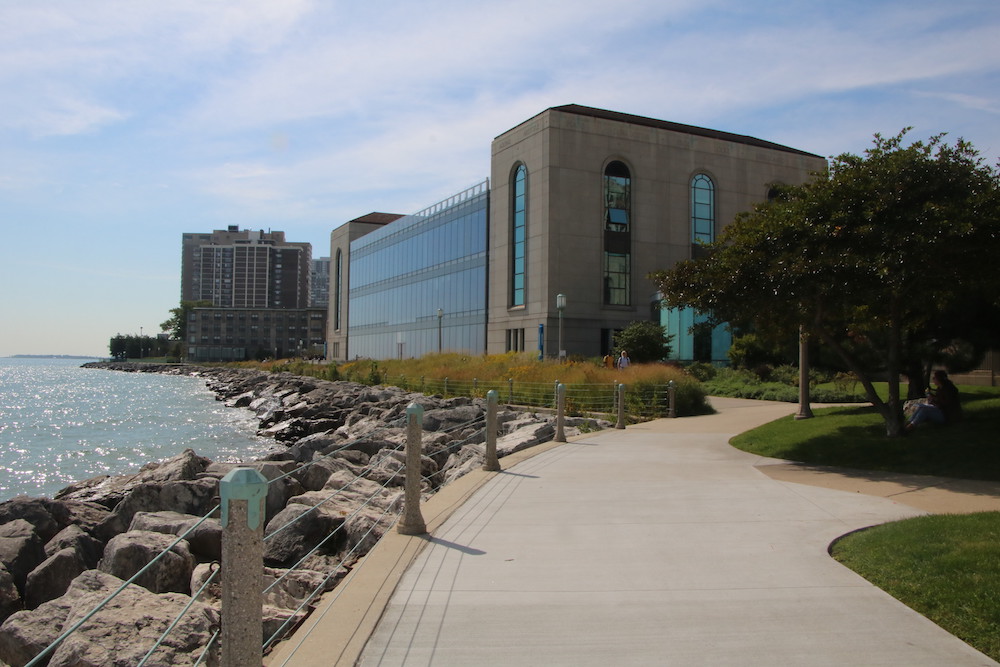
854, 437
946, 567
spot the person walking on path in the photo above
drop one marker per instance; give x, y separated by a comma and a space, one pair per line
623, 361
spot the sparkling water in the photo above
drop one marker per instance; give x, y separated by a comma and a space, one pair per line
60, 423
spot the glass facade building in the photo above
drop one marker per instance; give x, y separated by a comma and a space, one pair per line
418, 285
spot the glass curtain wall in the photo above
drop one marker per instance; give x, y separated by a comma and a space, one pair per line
404, 273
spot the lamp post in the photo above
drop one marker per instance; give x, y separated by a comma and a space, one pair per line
561, 306
440, 315
140, 342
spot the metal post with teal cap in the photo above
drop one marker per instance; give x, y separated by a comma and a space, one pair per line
242, 492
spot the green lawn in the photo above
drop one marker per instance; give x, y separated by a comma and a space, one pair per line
946, 567
854, 437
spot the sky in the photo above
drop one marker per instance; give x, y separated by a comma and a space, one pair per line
124, 124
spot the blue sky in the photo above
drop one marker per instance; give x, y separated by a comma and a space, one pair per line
124, 124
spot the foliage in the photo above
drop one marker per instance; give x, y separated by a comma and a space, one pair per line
852, 437
751, 350
533, 381
945, 567
176, 324
138, 347
877, 258
645, 341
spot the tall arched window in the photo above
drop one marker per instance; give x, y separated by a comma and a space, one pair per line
702, 210
338, 273
617, 234
519, 228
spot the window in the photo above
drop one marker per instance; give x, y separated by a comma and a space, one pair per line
702, 210
617, 234
617, 197
519, 237
616, 278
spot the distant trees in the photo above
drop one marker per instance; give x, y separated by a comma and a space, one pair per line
138, 347
176, 324
888, 259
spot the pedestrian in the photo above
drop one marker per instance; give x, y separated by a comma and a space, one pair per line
623, 361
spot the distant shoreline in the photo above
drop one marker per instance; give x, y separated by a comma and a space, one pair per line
51, 356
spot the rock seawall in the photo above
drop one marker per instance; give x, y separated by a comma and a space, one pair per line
336, 464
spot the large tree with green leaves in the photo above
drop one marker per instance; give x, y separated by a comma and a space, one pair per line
644, 341
887, 258
176, 325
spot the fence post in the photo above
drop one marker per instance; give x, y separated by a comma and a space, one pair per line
445, 392
412, 522
491, 462
510, 390
621, 407
560, 412
671, 399
242, 492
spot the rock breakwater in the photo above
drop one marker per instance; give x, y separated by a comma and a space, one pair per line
336, 469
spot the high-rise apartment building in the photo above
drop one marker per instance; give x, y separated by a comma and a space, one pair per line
236, 268
319, 282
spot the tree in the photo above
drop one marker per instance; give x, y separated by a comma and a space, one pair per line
176, 325
644, 341
875, 257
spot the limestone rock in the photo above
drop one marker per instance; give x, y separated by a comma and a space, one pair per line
52, 577
129, 552
298, 529
21, 550
10, 597
47, 516
74, 537
204, 538
185, 496
116, 635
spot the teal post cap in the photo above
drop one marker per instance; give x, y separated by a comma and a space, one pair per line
243, 484
415, 409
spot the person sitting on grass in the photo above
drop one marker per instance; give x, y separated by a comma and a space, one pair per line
942, 405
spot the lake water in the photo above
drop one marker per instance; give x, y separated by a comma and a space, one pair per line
60, 424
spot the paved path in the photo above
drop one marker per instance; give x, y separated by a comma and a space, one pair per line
656, 545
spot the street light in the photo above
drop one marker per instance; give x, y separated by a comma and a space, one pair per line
561, 306
440, 315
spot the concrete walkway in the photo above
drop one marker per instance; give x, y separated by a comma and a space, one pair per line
655, 545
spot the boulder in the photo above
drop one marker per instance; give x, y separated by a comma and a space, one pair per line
21, 550
129, 552
527, 435
47, 516
109, 492
10, 597
52, 577
195, 497
297, 530
114, 636
74, 537
445, 419
204, 538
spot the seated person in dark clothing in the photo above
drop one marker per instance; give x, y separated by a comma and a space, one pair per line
942, 405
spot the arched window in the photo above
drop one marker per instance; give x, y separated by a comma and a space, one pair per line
617, 234
519, 228
338, 272
617, 197
702, 209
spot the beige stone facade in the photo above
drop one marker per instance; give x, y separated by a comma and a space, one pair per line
566, 152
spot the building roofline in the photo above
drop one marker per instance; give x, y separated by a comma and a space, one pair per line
644, 121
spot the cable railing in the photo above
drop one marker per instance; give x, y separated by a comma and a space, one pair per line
385, 495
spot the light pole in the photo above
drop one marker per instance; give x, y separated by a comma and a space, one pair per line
440, 315
140, 342
561, 306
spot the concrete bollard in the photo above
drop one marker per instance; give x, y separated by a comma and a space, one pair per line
671, 399
243, 491
560, 413
491, 462
412, 522
621, 407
